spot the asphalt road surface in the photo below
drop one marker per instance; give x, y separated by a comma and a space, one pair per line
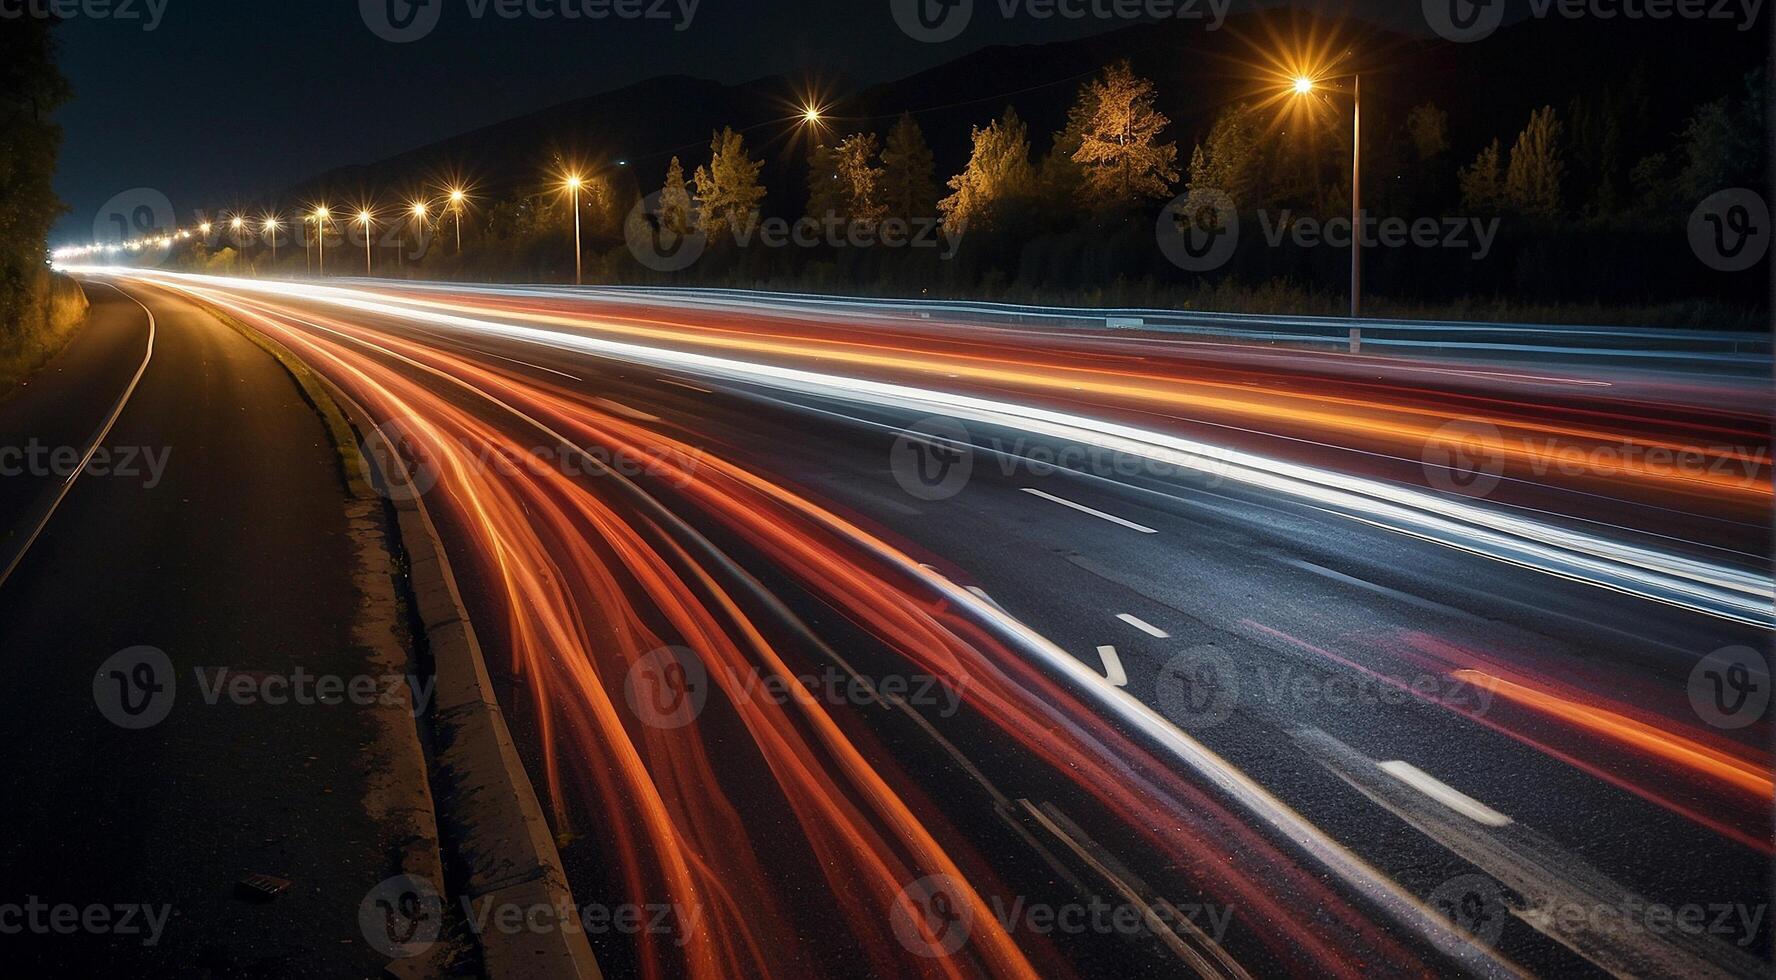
207, 538
853, 642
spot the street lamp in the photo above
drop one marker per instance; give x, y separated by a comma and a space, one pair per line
271, 230
364, 218
457, 197
320, 217
1305, 85
574, 181
239, 248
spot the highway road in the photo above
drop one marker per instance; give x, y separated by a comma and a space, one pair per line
851, 639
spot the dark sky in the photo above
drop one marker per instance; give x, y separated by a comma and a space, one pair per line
227, 98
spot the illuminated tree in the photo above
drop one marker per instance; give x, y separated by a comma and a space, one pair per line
728, 190
1483, 182
1532, 181
998, 171
1124, 160
675, 201
845, 181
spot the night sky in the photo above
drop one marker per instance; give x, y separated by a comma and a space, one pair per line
225, 99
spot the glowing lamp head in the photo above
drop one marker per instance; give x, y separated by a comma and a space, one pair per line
574, 181
321, 214
238, 223
205, 227
364, 216
1303, 85
456, 197
419, 210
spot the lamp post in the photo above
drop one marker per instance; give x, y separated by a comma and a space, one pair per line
364, 218
1305, 85
239, 247
320, 217
457, 197
271, 230
574, 181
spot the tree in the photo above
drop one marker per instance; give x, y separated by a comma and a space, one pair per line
1124, 161
1229, 159
998, 172
1483, 182
909, 172
845, 181
728, 190
1429, 128
31, 88
1723, 143
675, 201
1061, 178
1532, 181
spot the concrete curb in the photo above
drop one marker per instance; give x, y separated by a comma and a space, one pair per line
501, 838
487, 805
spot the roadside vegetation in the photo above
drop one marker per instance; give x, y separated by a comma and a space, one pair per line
38, 310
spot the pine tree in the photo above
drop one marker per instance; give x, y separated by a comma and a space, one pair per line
845, 182
909, 172
1124, 161
998, 171
1061, 179
1483, 182
1229, 159
826, 193
1532, 181
728, 190
675, 201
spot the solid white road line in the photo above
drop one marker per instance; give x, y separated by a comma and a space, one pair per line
104, 430
1445, 794
1083, 509
681, 384
527, 364
1143, 625
1113, 667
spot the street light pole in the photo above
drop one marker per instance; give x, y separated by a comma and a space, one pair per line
364, 216
1356, 331
573, 185
321, 238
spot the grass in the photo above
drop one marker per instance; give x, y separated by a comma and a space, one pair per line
53, 307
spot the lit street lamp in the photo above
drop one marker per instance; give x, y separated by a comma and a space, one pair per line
573, 187
271, 230
1305, 85
364, 218
456, 205
239, 249
320, 217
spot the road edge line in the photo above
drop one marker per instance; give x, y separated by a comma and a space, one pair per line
496, 821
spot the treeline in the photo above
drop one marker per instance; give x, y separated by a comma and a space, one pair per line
36, 309
1577, 212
